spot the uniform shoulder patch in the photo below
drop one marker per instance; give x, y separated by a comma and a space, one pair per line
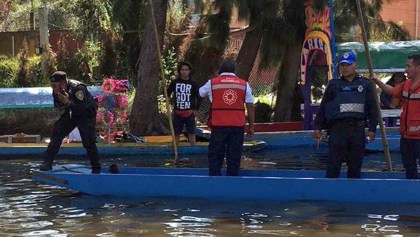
80, 95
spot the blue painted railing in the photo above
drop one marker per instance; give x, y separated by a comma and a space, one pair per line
32, 97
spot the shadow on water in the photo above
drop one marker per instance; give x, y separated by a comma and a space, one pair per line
32, 209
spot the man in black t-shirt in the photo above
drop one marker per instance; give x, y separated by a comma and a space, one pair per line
187, 102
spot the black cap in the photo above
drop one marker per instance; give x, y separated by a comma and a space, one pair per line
58, 76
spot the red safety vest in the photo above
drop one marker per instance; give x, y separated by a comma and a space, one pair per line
410, 116
228, 98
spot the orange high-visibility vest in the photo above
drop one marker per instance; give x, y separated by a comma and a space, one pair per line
228, 98
410, 117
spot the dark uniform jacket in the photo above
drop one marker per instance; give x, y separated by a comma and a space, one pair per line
82, 104
353, 100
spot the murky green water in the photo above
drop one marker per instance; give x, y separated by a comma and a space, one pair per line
28, 208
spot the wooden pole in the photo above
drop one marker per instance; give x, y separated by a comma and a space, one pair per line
168, 107
369, 61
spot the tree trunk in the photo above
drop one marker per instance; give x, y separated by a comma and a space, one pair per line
287, 79
144, 119
250, 45
248, 53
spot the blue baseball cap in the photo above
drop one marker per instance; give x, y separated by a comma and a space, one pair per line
348, 58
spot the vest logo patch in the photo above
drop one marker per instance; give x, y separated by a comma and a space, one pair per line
230, 97
360, 88
80, 95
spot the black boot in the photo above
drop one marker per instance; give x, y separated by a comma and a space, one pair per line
48, 162
46, 165
96, 167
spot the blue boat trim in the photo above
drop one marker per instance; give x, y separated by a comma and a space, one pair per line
261, 185
38, 149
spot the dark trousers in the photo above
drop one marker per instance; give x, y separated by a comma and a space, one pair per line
410, 152
225, 141
63, 126
346, 144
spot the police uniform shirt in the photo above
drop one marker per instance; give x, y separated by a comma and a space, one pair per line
321, 121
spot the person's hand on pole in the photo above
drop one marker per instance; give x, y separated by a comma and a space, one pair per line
317, 134
250, 132
371, 136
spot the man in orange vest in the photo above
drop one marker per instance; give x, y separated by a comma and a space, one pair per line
409, 92
228, 94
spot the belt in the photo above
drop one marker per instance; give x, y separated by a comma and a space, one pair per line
350, 122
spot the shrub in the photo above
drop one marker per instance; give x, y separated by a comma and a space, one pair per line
8, 71
48, 61
22, 79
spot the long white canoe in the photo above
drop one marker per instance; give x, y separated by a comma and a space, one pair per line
261, 185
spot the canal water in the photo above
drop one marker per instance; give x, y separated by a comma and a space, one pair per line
29, 208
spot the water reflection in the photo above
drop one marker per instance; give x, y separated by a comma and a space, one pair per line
34, 209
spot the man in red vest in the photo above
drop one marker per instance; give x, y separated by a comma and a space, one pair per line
409, 92
228, 94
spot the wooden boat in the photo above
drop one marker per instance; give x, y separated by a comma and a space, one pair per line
260, 185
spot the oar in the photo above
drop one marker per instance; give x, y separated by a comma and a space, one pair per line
369, 60
168, 107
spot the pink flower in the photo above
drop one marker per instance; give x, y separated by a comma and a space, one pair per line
123, 116
99, 117
109, 118
108, 86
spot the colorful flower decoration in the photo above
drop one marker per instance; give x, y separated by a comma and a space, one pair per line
99, 117
107, 102
108, 86
109, 118
121, 86
123, 116
113, 104
115, 86
121, 101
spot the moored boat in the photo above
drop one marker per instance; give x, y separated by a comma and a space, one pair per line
261, 185
149, 148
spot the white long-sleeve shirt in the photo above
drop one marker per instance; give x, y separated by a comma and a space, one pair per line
205, 90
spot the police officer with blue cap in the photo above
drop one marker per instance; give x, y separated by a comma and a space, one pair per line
347, 107
79, 110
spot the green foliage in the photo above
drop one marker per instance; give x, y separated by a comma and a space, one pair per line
346, 17
48, 61
127, 15
177, 23
109, 58
390, 31
218, 28
88, 53
60, 16
130, 22
289, 17
23, 74
63, 57
10, 68
170, 65
8, 71
93, 17
35, 69
161, 103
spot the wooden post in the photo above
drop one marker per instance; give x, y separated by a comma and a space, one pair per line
369, 61
168, 107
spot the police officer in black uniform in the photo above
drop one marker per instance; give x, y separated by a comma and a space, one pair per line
79, 108
348, 105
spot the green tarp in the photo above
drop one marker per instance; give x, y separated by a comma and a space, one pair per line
386, 56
